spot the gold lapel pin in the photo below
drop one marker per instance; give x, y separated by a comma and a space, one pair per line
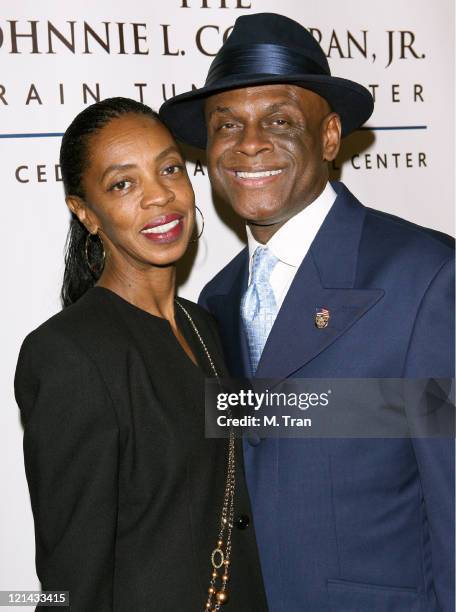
322, 317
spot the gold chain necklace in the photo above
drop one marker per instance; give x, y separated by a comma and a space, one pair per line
221, 555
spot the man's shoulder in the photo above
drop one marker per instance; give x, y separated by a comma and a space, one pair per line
380, 227
404, 241
378, 224
394, 225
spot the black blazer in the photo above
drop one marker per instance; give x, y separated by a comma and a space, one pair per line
126, 492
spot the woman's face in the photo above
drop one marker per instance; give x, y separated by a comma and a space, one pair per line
137, 194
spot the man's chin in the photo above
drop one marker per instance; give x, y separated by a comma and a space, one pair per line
254, 212
258, 214
261, 222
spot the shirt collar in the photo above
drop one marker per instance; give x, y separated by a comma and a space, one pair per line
292, 241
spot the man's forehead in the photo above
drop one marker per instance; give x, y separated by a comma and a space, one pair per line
255, 91
268, 97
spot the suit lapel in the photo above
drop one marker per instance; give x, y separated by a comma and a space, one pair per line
226, 309
325, 279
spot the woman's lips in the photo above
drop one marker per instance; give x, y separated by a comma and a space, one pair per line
164, 229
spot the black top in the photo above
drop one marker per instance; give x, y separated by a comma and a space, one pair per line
126, 491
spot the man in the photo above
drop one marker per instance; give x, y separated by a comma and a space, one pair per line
326, 289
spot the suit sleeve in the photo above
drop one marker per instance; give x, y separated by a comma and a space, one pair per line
71, 448
431, 355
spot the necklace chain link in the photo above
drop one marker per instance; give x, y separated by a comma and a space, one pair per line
221, 555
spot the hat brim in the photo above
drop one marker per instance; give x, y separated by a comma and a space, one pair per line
184, 114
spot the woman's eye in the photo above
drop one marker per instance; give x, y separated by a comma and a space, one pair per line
120, 185
174, 169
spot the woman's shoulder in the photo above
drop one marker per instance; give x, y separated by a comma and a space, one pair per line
77, 325
205, 324
200, 316
61, 359
192, 307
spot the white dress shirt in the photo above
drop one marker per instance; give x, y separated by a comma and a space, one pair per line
292, 241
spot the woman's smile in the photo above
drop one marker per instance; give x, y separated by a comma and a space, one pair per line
165, 228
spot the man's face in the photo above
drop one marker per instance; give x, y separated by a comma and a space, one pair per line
268, 148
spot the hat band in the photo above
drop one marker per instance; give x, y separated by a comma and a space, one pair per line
262, 58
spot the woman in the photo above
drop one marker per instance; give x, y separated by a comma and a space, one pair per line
129, 498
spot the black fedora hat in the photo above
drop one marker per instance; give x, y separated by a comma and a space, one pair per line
266, 48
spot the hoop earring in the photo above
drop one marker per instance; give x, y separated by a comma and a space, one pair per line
91, 267
202, 226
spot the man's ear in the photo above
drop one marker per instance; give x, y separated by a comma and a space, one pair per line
332, 133
79, 208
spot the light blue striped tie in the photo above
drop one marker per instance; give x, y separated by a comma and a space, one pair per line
259, 308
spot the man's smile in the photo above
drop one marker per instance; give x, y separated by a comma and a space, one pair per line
258, 174
257, 177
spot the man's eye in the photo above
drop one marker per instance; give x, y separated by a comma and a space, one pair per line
280, 122
228, 125
120, 185
174, 169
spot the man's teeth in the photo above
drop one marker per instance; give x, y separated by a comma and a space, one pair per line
160, 229
254, 175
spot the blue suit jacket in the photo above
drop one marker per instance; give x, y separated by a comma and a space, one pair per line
353, 525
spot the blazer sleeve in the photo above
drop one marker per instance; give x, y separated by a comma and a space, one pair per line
71, 453
431, 355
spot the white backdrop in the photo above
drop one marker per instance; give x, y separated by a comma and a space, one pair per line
53, 54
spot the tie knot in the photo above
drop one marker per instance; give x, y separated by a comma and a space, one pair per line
262, 265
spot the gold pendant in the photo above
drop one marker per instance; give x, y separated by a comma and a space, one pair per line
215, 552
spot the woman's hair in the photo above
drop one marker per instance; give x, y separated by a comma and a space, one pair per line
74, 159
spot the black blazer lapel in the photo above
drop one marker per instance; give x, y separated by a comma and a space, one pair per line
325, 279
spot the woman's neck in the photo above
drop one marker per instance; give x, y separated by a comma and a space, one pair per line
151, 290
